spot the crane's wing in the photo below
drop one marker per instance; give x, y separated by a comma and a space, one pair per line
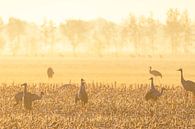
155, 72
148, 95
155, 92
85, 97
19, 96
34, 97
191, 84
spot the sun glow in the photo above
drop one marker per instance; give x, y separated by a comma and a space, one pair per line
95, 26
59, 10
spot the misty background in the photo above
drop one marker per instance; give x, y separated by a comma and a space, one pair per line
134, 36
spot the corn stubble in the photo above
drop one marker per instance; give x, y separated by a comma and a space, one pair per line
109, 106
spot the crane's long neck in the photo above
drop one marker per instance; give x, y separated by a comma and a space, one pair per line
182, 78
25, 90
150, 70
152, 84
82, 87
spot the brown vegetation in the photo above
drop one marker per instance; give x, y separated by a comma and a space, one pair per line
109, 106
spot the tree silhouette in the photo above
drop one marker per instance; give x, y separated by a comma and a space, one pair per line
186, 30
75, 31
16, 28
48, 30
2, 41
133, 29
151, 31
99, 36
173, 28
142, 34
104, 35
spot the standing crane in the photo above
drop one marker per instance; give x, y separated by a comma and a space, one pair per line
18, 97
153, 93
82, 94
187, 84
50, 72
28, 97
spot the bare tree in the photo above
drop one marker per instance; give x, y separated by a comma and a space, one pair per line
186, 30
2, 40
133, 29
104, 35
48, 30
16, 28
151, 31
75, 31
173, 28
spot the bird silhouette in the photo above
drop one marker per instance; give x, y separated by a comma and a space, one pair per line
187, 84
28, 97
18, 97
50, 72
82, 94
35, 97
155, 72
67, 85
153, 93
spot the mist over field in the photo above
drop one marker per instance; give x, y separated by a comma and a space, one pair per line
90, 64
106, 69
98, 49
135, 36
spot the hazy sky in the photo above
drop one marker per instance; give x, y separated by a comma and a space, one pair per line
115, 10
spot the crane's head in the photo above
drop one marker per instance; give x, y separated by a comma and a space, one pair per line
51, 70
150, 67
82, 80
180, 69
151, 78
24, 84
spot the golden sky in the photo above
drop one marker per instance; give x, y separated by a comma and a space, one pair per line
115, 10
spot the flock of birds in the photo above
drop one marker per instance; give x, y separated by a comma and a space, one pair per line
153, 94
27, 97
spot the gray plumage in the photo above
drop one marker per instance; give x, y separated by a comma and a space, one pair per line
82, 94
187, 84
18, 97
153, 93
155, 72
50, 72
67, 85
28, 97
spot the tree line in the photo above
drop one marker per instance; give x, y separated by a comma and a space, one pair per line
135, 35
